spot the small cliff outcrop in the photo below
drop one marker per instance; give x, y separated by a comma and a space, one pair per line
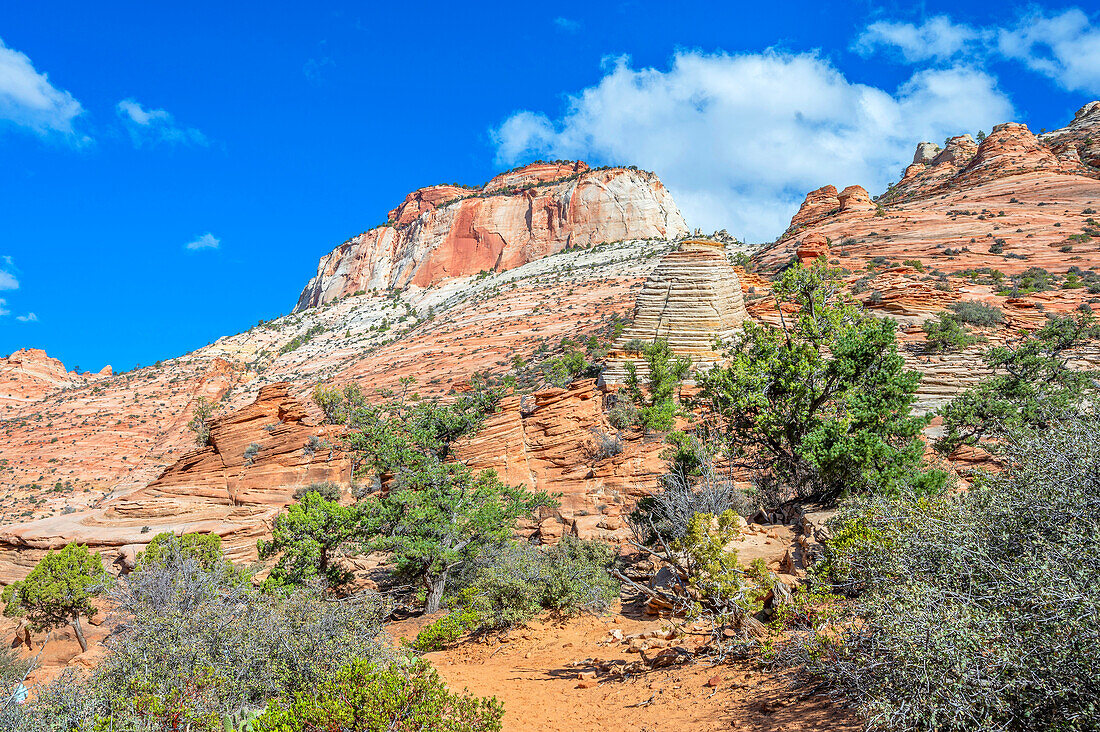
28, 375
257, 458
443, 232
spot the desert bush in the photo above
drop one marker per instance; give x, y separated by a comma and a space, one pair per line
1032, 383
605, 444
658, 405
624, 414
944, 333
367, 697
974, 611
197, 644
513, 582
977, 313
666, 514
442, 632
168, 549
819, 406
201, 418
59, 590
326, 489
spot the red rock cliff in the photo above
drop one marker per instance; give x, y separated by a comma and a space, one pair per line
448, 231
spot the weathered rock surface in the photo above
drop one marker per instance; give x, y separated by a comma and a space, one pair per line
1079, 139
29, 374
257, 457
1020, 192
444, 232
548, 441
692, 297
812, 247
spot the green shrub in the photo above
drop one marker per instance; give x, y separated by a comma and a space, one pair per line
442, 632
59, 590
974, 611
819, 406
165, 548
364, 697
658, 405
944, 333
977, 313
326, 489
515, 581
624, 414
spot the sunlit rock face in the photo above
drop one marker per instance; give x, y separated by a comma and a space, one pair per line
692, 297
444, 232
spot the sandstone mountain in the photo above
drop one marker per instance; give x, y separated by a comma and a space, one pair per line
108, 459
449, 231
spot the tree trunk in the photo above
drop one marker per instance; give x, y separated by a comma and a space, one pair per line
435, 593
79, 633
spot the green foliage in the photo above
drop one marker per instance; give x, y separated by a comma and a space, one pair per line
436, 515
977, 313
165, 548
309, 536
512, 582
201, 417
958, 596
300, 340
201, 648
59, 590
712, 571
365, 697
944, 333
327, 489
821, 406
444, 515
624, 414
444, 631
658, 406
1032, 385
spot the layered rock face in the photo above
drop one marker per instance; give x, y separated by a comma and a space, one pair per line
547, 441
29, 374
693, 296
257, 457
1027, 195
446, 231
1080, 139
122, 458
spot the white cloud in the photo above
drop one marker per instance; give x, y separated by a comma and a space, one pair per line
8, 280
28, 99
567, 25
28, 318
206, 241
1064, 46
155, 125
740, 139
936, 38
4, 307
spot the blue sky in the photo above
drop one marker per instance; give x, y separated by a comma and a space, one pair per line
172, 172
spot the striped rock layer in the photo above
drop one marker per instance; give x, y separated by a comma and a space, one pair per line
691, 298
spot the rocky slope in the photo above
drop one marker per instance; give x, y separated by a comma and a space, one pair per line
100, 458
28, 375
442, 232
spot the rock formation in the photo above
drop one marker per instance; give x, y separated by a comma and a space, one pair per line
29, 374
691, 298
1027, 195
257, 457
812, 247
1082, 135
443, 232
